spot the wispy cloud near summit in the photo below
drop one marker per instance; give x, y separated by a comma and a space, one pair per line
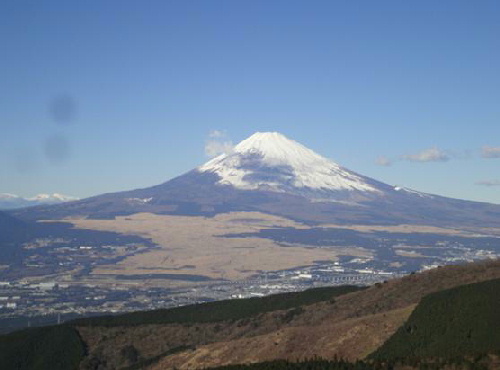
433, 154
488, 182
218, 142
490, 152
383, 161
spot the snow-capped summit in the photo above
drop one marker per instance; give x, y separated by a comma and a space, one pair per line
271, 161
12, 201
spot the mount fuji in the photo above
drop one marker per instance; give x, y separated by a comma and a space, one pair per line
273, 174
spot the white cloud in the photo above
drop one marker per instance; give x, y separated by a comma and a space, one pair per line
428, 155
383, 161
488, 182
218, 143
491, 152
217, 133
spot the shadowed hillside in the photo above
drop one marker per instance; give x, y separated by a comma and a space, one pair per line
55, 348
451, 323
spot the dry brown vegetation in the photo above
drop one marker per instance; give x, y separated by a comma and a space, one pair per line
297, 342
196, 245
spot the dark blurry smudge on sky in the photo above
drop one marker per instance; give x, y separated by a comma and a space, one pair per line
26, 161
57, 149
62, 109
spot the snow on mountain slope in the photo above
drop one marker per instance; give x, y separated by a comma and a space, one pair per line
414, 192
271, 161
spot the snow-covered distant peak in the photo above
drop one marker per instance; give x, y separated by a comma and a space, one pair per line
51, 198
5, 196
12, 201
271, 161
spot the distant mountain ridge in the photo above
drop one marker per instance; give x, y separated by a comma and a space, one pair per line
272, 174
12, 201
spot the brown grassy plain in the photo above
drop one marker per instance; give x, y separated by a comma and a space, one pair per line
197, 246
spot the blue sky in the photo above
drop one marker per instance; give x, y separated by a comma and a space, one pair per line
101, 96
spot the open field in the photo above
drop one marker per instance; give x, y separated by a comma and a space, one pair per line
197, 246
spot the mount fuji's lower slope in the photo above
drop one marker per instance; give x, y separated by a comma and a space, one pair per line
198, 193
